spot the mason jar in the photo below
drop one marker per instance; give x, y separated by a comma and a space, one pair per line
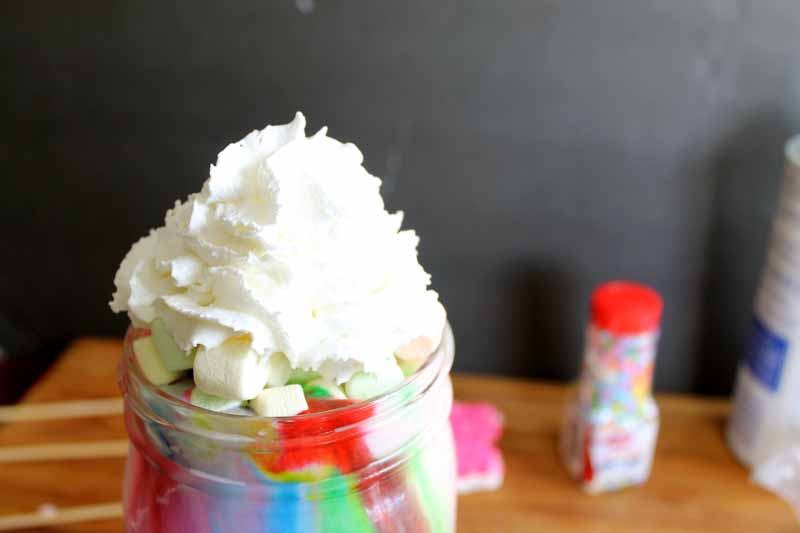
381, 465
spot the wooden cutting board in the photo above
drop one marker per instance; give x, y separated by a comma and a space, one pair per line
696, 484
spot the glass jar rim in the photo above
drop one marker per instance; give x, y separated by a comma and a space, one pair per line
133, 383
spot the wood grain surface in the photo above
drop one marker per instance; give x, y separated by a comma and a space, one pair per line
696, 484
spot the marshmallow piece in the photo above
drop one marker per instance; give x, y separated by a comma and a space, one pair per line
279, 370
212, 403
144, 349
302, 377
477, 427
231, 370
288, 400
363, 385
180, 390
173, 357
322, 388
417, 350
409, 366
411, 356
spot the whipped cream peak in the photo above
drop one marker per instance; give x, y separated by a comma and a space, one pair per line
288, 243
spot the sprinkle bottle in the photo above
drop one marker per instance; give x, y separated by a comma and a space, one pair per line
611, 424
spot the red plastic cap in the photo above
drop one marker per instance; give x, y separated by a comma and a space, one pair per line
626, 308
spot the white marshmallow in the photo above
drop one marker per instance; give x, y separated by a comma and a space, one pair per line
279, 370
232, 370
288, 400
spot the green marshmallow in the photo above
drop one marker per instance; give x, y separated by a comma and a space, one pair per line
173, 357
151, 365
301, 377
211, 402
363, 386
179, 388
324, 389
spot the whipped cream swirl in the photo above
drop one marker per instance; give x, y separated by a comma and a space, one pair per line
288, 245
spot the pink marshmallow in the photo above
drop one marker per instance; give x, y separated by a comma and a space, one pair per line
477, 427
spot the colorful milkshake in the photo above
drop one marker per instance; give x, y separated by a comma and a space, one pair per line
287, 368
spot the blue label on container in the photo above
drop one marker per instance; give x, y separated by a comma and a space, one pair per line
766, 354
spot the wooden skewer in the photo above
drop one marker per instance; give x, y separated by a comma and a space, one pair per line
51, 516
64, 450
54, 410
48, 515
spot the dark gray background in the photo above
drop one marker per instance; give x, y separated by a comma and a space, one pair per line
539, 147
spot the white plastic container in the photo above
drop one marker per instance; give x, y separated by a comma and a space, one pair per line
766, 406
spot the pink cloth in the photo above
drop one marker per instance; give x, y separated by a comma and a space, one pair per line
477, 428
